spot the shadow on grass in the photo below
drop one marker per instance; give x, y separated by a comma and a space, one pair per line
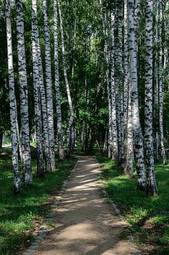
18, 212
148, 216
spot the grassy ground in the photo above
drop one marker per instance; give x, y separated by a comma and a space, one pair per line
18, 213
148, 217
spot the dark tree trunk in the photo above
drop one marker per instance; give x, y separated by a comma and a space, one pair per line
1, 139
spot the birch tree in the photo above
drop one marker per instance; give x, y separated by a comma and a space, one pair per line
127, 123
49, 95
12, 100
43, 104
24, 133
71, 125
37, 96
118, 45
161, 81
107, 78
133, 79
57, 84
113, 94
148, 136
42, 96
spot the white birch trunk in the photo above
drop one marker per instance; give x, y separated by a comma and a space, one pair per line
24, 133
49, 95
148, 136
137, 132
12, 100
71, 124
113, 96
43, 104
37, 97
161, 84
128, 131
57, 85
119, 77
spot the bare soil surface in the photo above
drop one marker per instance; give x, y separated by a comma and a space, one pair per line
85, 224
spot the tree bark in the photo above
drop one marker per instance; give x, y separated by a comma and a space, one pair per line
37, 96
12, 101
49, 94
57, 85
137, 132
1, 139
128, 132
118, 46
148, 136
113, 95
161, 84
24, 133
71, 124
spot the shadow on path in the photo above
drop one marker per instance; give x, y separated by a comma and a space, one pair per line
84, 222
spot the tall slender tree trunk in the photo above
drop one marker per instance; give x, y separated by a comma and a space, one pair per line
57, 85
128, 132
137, 132
126, 62
43, 104
106, 53
156, 82
161, 83
24, 133
1, 138
71, 125
12, 100
113, 95
37, 97
129, 160
49, 94
42, 95
107, 80
118, 43
149, 151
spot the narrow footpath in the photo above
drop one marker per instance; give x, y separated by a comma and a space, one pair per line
84, 223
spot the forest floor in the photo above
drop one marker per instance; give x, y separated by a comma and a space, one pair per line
84, 220
148, 217
84, 223
22, 215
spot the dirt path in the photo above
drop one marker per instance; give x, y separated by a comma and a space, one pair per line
84, 222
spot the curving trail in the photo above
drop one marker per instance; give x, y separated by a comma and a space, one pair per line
84, 222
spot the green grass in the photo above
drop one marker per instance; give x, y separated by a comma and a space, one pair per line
18, 213
148, 216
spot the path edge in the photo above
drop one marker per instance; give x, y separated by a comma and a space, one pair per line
113, 207
105, 195
44, 230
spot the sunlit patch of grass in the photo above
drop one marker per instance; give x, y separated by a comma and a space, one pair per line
18, 212
148, 216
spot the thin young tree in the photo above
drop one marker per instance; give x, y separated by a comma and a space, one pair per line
71, 124
161, 81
